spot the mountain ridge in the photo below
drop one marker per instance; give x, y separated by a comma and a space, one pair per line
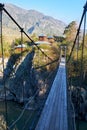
33, 21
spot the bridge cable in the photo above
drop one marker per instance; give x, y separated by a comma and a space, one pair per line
21, 57
38, 67
2, 50
77, 97
82, 55
19, 117
81, 70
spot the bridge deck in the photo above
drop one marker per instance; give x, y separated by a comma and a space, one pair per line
54, 114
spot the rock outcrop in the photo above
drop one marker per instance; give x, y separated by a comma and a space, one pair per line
23, 85
79, 98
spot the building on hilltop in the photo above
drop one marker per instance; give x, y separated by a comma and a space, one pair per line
51, 39
43, 39
21, 47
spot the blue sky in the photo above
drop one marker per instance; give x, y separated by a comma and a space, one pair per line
65, 10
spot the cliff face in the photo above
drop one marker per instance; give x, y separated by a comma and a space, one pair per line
23, 83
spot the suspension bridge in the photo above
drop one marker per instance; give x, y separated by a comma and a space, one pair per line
58, 110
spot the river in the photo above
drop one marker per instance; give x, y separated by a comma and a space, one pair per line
82, 125
13, 111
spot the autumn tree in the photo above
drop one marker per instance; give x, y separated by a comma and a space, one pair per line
70, 32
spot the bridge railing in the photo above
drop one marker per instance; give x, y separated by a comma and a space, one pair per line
77, 64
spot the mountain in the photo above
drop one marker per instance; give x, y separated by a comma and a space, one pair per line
32, 21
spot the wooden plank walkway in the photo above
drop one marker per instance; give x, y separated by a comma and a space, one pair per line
54, 114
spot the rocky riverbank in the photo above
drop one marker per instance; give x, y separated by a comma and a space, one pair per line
79, 99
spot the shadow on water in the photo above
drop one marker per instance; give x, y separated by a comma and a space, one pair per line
13, 111
82, 125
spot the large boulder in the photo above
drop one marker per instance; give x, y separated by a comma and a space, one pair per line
24, 83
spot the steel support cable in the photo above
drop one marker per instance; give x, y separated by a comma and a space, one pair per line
46, 79
25, 33
27, 121
82, 55
77, 62
20, 116
38, 67
81, 70
77, 50
84, 11
21, 41
21, 58
2, 50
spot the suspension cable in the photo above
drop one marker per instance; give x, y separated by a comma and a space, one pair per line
38, 67
2, 50
19, 117
82, 55
21, 57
